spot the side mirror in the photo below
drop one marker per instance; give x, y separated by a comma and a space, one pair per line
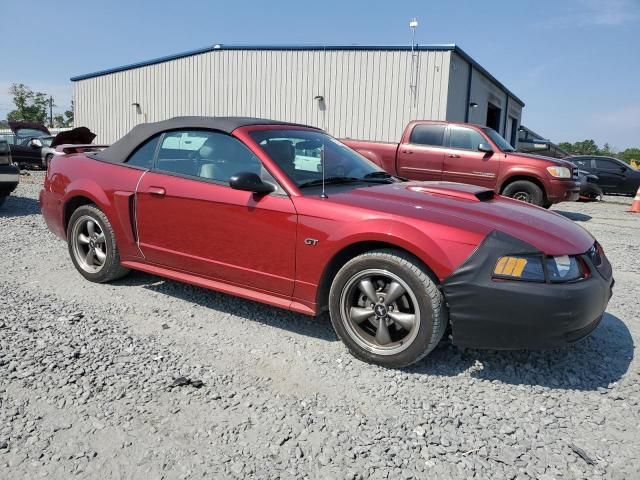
35, 143
250, 182
485, 147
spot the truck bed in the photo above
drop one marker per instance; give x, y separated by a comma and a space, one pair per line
382, 154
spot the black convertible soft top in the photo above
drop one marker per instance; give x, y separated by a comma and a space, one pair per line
119, 151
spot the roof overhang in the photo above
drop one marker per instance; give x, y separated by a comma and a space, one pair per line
452, 47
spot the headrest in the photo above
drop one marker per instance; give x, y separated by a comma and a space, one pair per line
206, 151
281, 150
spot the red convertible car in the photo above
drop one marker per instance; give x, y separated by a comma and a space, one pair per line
287, 215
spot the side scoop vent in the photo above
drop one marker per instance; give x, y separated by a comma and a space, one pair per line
462, 191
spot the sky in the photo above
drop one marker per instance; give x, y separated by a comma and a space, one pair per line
575, 63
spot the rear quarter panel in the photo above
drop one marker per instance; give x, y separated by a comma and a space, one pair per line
76, 178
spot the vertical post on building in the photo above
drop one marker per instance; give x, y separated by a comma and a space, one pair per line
413, 85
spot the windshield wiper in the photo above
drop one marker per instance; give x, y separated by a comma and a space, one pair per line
329, 180
378, 174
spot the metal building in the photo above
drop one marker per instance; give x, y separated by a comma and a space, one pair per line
367, 92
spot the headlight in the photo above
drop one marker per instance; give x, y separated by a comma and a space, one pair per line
525, 267
563, 269
530, 268
559, 172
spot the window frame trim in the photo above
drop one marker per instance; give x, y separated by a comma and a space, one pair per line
154, 168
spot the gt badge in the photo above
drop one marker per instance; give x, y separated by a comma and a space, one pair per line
311, 241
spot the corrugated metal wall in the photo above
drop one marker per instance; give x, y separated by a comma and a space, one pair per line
367, 93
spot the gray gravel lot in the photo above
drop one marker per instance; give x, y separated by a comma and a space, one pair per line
86, 373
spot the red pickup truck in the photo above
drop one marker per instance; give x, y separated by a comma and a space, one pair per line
466, 153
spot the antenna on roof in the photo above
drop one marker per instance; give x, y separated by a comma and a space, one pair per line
324, 117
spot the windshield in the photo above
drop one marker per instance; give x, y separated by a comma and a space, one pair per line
25, 133
498, 140
299, 154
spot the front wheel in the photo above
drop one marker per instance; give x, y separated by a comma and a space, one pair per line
525, 191
92, 245
386, 308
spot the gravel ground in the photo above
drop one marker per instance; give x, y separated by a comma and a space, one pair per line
86, 375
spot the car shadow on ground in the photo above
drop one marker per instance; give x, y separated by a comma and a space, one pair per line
19, 207
593, 363
575, 216
319, 327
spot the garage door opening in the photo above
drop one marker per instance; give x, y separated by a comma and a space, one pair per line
493, 117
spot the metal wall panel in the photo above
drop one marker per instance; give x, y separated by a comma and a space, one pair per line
366, 92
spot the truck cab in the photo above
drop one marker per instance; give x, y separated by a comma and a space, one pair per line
475, 154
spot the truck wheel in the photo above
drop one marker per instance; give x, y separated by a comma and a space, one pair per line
92, 245
525, 191
386, 309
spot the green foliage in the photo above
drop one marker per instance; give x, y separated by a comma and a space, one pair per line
30, 106
629, 154
590, 147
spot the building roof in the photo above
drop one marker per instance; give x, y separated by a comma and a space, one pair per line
452, 47
119, 151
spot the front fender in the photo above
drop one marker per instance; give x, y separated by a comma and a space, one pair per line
441, 255
519, 172
439, 247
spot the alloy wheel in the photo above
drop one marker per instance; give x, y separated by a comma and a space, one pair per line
380, 311
89, 244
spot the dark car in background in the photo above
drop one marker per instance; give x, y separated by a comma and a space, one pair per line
34, 146
614, 176
9, 172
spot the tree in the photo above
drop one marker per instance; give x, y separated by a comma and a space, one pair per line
30, 106
630, 154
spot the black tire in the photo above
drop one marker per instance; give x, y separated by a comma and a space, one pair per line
525, 191
47, 161
111, 268
430, 316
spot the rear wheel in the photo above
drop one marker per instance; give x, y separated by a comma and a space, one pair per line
386, 309
92, 245
525, 191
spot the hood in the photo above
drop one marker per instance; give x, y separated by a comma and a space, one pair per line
76, 136
475, 209
16, 127
556, 161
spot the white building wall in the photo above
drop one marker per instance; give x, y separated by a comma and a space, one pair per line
367, 92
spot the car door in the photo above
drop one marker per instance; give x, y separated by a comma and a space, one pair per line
611, 174
422, 157
465, 163
584, 163
189, 219
28, 151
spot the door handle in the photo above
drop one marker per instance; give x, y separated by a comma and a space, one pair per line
159, 191
408, 151
453, 155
